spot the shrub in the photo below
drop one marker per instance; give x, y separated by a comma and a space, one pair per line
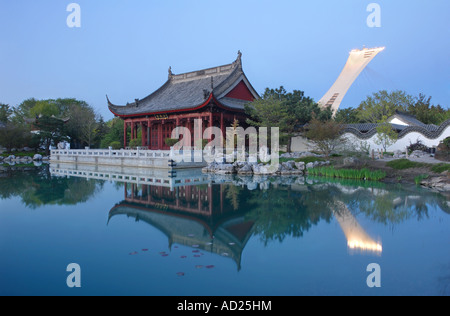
115, 145
418, 145
135, 143
447, 142
171, 141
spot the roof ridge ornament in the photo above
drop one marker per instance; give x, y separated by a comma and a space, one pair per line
239, 59
170, 72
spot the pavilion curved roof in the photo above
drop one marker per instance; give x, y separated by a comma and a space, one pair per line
191, 91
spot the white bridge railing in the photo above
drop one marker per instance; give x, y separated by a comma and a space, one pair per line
129, 153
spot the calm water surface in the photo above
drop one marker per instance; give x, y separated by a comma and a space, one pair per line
202, 235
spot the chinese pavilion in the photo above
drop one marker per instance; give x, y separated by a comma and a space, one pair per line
215, 95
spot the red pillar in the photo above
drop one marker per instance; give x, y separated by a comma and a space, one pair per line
144, 136
210, 125
160, 143
132, 131
124, 134
221, 125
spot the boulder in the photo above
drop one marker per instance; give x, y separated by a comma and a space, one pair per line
440, 183
225, 168
309, 165
246, 169
351, 161
10, 158
37, 157
300, 165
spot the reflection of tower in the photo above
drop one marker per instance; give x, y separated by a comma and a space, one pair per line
357, 238
356, 62
189, 215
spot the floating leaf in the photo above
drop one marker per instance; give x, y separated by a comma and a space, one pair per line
198, 266
209, 266
190, 235
195, 246
133, 253
144, 249
165, 254
183, 257
225, 254
195, 250
180, 273
197, 256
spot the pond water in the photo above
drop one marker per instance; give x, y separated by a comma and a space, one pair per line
202, 235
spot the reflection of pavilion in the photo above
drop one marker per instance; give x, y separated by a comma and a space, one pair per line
190, 215
357, 238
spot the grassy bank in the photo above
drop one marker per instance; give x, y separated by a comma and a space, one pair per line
402, 164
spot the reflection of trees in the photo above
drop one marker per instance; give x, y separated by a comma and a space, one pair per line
232, 194
394, 204
37, 187
284, 212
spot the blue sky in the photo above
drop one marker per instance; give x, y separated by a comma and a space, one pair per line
124, 48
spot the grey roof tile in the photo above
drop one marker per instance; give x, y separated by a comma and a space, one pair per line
188, 91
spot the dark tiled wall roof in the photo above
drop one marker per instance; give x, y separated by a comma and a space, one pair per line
366, 131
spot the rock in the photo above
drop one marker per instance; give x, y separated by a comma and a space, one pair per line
418, 154
246, 169
10, 158
287, 166
37, 157
351, 161
440, 183
397, 154
225, 168
24, 159
309, 165
300, 165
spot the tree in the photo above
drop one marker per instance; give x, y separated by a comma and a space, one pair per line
22, 111
326, 136
427, 113
383, 104
288, 111
13, 136
51, 131
101, 129
386, 136
347, 116
5, 113
82, 124
114, 133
